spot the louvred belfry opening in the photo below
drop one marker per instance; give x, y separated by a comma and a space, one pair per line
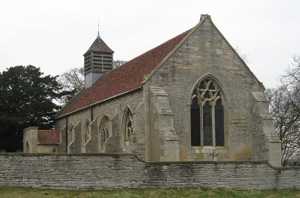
97, 61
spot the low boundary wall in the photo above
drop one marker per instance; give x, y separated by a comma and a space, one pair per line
99, 171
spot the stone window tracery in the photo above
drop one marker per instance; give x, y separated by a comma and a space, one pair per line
104, 135
207, 115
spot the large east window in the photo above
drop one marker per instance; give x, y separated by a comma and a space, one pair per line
207, 115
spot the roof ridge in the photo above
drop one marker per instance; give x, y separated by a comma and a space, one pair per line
124, 79
139, 56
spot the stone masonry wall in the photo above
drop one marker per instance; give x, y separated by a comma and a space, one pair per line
205, 53
113, 109
126, 170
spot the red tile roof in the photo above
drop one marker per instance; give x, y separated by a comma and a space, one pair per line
127, 77
48, 137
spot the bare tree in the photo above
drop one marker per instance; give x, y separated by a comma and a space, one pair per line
285, 109
72, 81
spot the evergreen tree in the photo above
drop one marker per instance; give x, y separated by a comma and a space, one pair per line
27, 98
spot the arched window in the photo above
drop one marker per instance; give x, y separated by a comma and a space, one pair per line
128, 127
103, 133
207, 115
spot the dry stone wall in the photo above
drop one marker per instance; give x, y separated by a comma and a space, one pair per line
99, 171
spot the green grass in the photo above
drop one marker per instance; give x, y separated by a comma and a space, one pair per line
135, 193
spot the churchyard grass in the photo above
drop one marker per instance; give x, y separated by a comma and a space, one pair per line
8, 192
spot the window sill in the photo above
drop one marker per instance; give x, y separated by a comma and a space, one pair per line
207, 149
209, 153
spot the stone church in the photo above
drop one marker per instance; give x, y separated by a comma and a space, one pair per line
190, 98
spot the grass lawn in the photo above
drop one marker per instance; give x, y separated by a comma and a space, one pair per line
134, 193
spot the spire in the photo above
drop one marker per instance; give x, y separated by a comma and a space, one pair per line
98, 31
99, 46
204, 16
97, 60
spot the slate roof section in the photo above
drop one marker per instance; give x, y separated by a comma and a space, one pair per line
128, 77
99, 46
48, 137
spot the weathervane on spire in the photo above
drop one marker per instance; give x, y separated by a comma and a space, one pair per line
98, 30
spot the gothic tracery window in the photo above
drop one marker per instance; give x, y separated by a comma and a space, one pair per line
129, 132
207, 115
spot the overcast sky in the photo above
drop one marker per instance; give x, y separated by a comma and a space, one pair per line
54, 34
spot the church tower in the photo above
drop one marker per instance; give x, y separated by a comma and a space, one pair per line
97, 60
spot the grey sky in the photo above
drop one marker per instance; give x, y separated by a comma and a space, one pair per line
54, 34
